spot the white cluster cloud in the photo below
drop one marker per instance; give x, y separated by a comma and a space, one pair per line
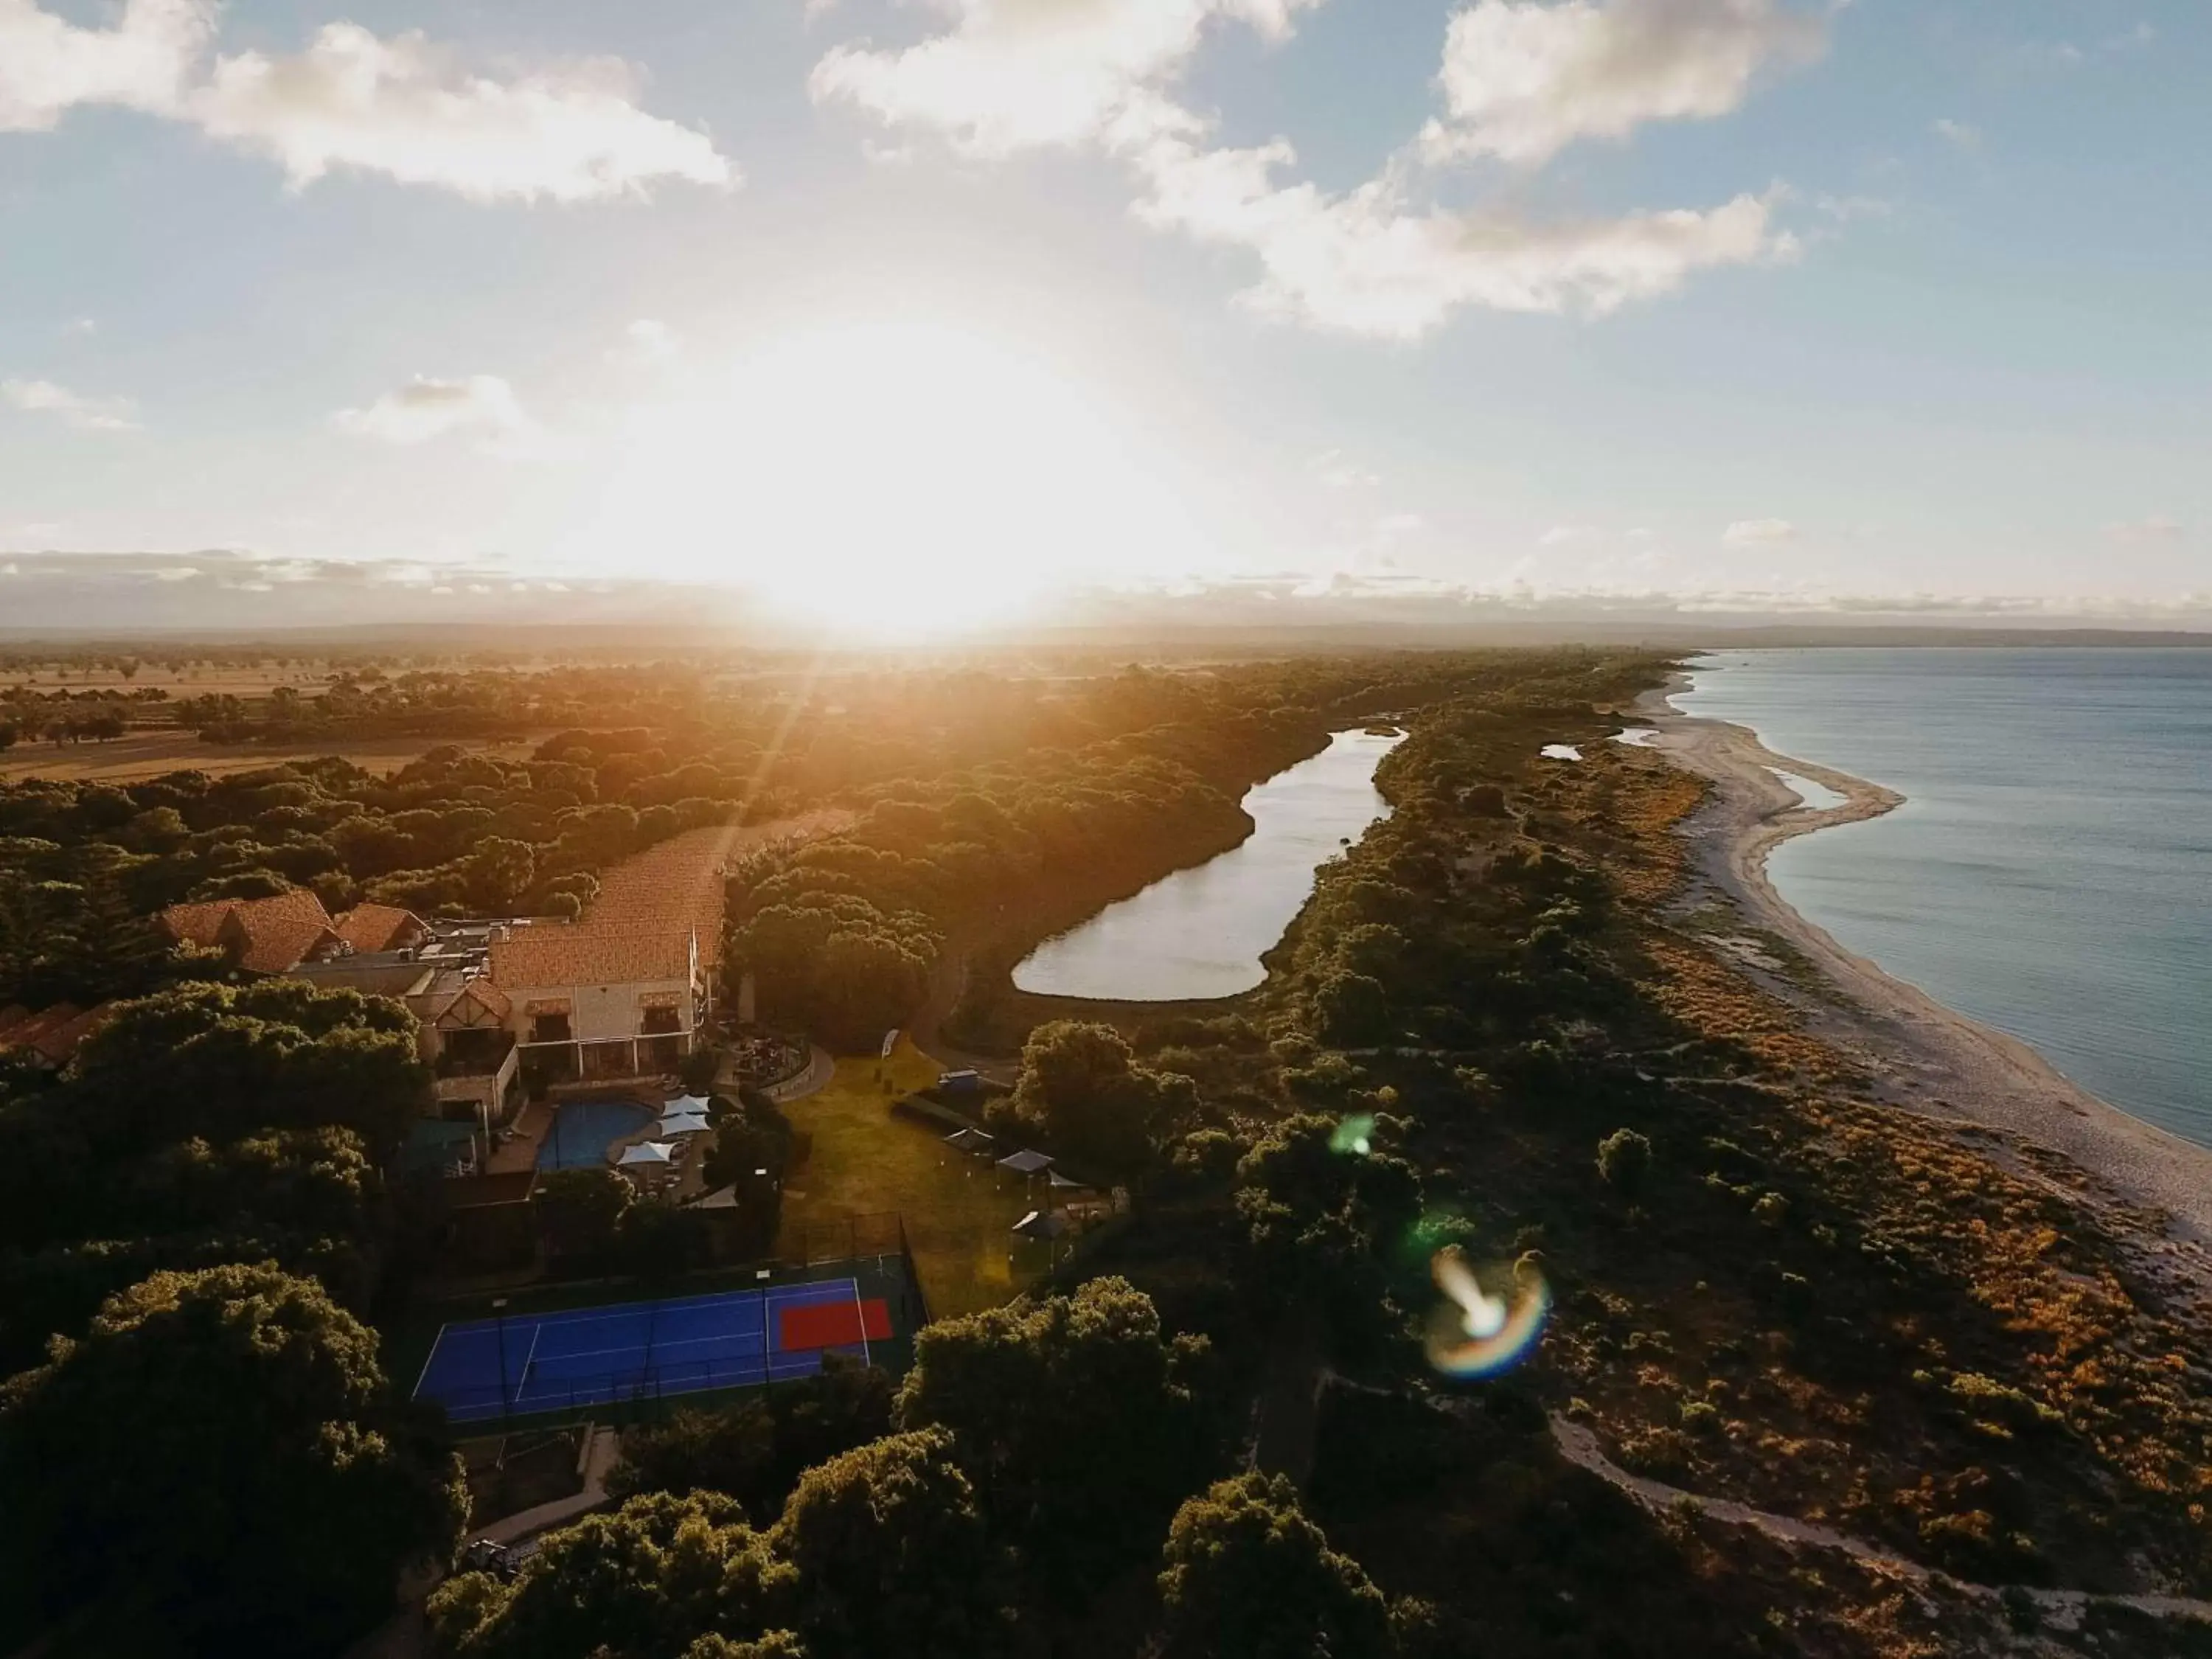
407, 109
1522, 80
1369, 262
72, 408
1012, 75
425, 408
404, 107
48, 64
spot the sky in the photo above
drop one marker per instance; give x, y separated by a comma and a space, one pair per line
906, 315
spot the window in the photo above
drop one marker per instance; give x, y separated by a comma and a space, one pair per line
549, 1028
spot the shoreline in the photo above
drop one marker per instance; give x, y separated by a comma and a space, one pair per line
1923, 1055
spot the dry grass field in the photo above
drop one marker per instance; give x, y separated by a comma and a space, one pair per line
149, 752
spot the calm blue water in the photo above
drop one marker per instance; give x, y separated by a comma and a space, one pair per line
584, 1129
1201, 932
2050, 871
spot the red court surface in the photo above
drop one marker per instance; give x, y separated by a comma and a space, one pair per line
834, 1324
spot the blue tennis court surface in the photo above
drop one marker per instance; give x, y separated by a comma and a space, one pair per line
592, 1355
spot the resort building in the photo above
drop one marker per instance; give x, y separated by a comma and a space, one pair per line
597, 1003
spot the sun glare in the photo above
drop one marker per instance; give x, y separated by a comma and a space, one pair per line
892, 480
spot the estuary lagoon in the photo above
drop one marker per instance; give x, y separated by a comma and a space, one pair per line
1200, 933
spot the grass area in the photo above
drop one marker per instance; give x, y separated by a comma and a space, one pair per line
957, 1209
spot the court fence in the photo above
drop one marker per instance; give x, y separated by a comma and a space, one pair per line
637, 1394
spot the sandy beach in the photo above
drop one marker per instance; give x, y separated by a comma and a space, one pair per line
1926, 1058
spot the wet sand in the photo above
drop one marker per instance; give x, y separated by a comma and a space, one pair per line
1925, 1057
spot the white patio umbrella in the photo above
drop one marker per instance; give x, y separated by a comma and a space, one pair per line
686, 1123
685, 1105
646, 1155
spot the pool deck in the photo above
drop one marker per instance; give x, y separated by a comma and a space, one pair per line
535, 1122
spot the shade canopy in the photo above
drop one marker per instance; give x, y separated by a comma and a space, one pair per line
1028, 1164
1060, 1181
686, 1123
685, 1104
723, 1198
971, 1140
647, 1154
1042, 1223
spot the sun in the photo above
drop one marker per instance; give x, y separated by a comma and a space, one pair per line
894, 479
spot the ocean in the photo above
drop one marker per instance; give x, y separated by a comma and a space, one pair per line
2050, 871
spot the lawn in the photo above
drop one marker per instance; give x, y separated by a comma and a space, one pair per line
866, 1161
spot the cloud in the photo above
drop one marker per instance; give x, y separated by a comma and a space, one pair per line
406, 108
425, 408
647, 343
1758, 532
1371, 261
1380, 259
1522, 81
48, 65
1336, 472
2156, 528
1965, 136
1013, 75
73, 409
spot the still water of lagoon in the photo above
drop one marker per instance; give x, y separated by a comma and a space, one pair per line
1200, 933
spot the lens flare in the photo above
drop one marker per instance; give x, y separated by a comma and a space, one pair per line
1355, 1135
1474, 1333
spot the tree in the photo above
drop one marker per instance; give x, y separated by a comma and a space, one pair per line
216, 1467
891, 1553
651, 1578
1076, 1417
500, 872
1082, 1091
1624, 1159
1247, 1576
580, 1211
1324, 1218
754, 1450
219, 1062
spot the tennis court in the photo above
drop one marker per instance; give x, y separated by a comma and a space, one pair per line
529, 1363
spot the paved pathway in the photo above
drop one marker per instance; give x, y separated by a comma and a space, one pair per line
606, 1448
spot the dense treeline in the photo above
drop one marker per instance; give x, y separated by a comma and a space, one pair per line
192, 1219
1484, 1030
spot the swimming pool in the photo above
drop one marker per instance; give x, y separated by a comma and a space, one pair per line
582, 1131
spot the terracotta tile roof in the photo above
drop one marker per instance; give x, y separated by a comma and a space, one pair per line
494, 1001
588, 954
10, 1017
370, 928
676, 885
60, 1044
54, 1034
262, 935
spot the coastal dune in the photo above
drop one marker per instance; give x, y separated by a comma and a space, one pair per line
1924, 1056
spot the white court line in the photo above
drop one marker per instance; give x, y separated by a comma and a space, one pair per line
860, 1313
529, 1359
423, 1375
